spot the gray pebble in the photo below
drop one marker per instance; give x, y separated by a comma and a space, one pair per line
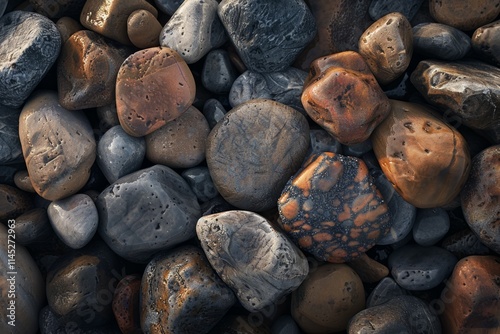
218, 72
168, 6
440, 41
322, 141
385, 290
408, 8
431, 225
10, 145
213, 111
201, 183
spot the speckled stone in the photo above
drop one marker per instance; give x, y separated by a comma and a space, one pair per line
214, 111
147, 211
153, 87
58, 146
464, 243
67, 26
408, 8
126, 306
479, 198
267, 35
54, 9
416, 268
168, 6
218, 72
385, 290
387, 46
10, 146
143, 29
194, 29
358, 104
33, 226
119, 154
23, 181
485, 42
181, 142
251, 256
357, 215
29, 44
181, 293
322, 141
464, 15
201, 183
253, 151
13, 202
431, 225
436, 40
330, 289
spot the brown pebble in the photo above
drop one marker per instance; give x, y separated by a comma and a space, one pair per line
485, 42
13, 202
143, 29
67, 26
126, 306
369, 270
464, 15
22, 181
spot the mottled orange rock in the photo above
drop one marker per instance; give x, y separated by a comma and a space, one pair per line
464, 15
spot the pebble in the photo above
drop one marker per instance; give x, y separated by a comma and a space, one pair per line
201, 183
33, 226
22, 181
30, 44
54, 9
147, 211
143, 29
464, 243
284, 87
285, 325
252, 257
218, 72
194, 29
268, 35
471, 297
126, 306
462, 15
27, 283
431, 225
479, 198
408, 8
168, 6
214, 111
10, 146
3, 6
385, 290
401, 314
181, 142
119, 154
358, 104
239, 324
248, 165
369, 270
417, 268
108, 117
67, 26
426, 159
181, 293
485, 42
357, 215
436, 40
387, 46
153, 87
74, 219
332, 289
359, 149
322, 141
58, 146
13, 202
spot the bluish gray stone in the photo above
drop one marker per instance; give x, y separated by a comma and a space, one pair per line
10, 145
322, 141
268, 35
50, 323
201, 183
285, 325
431, 225
213, 111
29, 46
385, 290
408, 8
168, 6
440, 41
3, 5
218, 72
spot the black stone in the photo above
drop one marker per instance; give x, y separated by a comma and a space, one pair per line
218, 72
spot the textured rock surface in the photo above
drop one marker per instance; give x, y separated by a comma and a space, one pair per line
33, 226
464, 243
218, 72
143, 29
385, 290
126, 307
440, 41
408, 8
10, 146
322, 141
485, 42
168, 6
23, 181
464, 15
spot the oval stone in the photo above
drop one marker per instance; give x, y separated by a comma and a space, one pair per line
464, 15
143, 29
431, 225
440, 41
218, 72
33, 226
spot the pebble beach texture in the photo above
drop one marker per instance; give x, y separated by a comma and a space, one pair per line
249, 166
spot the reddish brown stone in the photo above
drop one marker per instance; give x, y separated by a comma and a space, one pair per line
464, 15
143, 29
13, 202
126, 306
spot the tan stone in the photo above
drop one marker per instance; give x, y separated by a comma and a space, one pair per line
369, 270
143, 29
67, 26
464, 15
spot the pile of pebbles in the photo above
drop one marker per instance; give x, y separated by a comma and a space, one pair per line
249, 166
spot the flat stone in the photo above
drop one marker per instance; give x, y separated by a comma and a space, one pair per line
181, 293
385, 290
30, 44
201, 183
10, 146
358, 104
194, 29
147, 211
33, 226
464, 243
214, 111
479, 198
331, 209
408, 8
369, 270
153, 87
253, 151
440, 41
143, 29
218, 72
322, 141
251, 256
13, 202
168, 6
330, 289
431, 225
126, 306
58, 146
464, 15
23, 181
485, 42
426, 159
67, 26
268, 36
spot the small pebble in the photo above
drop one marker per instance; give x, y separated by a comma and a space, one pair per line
408, 8
213, 111
13, 202
485, 42
23, 181
464, 15
385, 290
33, 226
218, 72
431, 225
126, 306
143, 29
10, 145
464, 243
440, 41
67, 26
201, 183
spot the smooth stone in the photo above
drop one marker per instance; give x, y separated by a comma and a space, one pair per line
87, 70
126, 306
408, 8
253, 151
13, 202
385, 290
471, 297
215, 205
417, 268
322, 141
214, 111
107, 116
194, 29
54, 9
332, 289
331, 209
33, 226
218, 73
252, 257
181, 293
119, 154
387, 46
10, 145
436, 40
109, 18
464, 243
268, 35
426, 159
359, 149
181, 142
143, 29
485, 42
30, 45
284, 87
431, 225
23, 181
466, 91
147, 211
464, 15
401, 314
368, 270
67, 26
168, 6
153, 87
285, 325
201, 183
239, 324
479, 197
58, 146
358, 104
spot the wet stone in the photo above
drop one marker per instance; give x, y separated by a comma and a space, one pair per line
126, 307
322, 141
13, 202
67, 26
417, 268
181, 293
23, 181
143, 29
119, 154
54, 9
485, 42
357, 150
194, 29
464, 15
214, 111
285, 325
408, 8
385, 290
168, 6
30, 44
464, 243
357, 215
252, 257
201, 183
153, 87
58, 146
436, 40
268, 36
33, 226
369, 270
107, 117
147, 211
10, 146
218, 72
431, 225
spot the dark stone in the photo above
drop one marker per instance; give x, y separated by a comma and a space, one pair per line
464, 243
464, 15
436, 40
13, 202
54, 9
285, 325
485, 42
10, 145
385, 290
239, 324
218, 72
201, 183
408, 8
322, 141
358, 149
33, 226
431, 225
126, 306
213, 111
168, 6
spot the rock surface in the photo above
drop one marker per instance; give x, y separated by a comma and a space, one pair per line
10, 146
484, 42
440, 41
464, 15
